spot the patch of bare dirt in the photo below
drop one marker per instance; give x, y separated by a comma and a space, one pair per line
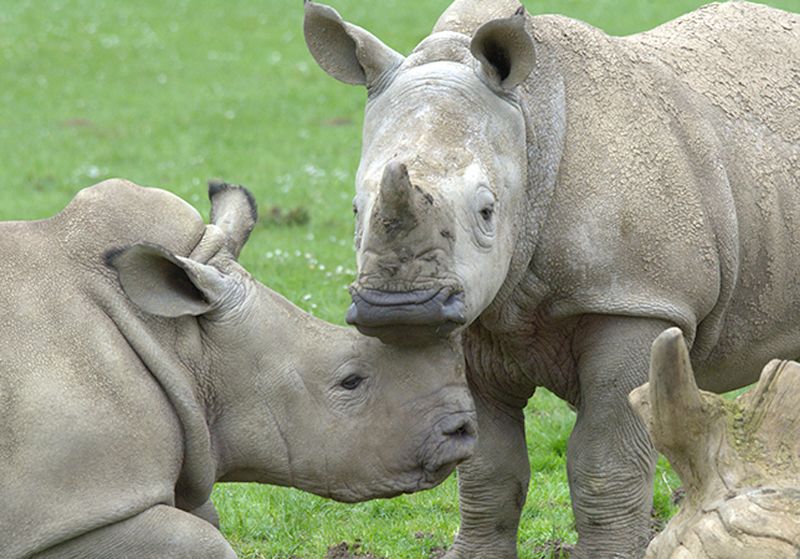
553, 548
353, 551
348, 551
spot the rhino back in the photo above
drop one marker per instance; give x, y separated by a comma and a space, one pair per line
88, 434
743, 60
667, 205
741, 57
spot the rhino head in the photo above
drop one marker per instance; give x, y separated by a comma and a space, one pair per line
440, 189
287, 398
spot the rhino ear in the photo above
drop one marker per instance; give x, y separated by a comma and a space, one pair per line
164, 284
505, 50
346, 52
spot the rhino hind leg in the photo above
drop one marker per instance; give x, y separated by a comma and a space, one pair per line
158, 532
492, 485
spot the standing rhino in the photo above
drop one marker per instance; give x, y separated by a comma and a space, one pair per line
140, 364
561, 197
739, 460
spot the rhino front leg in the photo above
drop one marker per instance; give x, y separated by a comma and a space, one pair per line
610, 459
493, 484
156, 533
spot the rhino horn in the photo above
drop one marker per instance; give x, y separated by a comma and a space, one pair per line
396, 188
396, 198
234, 211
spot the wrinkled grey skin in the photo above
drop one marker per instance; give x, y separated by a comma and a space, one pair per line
141, 363
561, 197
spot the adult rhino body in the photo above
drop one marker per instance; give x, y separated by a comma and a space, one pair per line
561, 196
140, 364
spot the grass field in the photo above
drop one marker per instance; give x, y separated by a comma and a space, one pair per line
172, 93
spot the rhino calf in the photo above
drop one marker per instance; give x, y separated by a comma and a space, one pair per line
141, 363
738, 460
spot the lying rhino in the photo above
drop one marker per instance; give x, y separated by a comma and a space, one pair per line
561, 197
739, 460
141, 363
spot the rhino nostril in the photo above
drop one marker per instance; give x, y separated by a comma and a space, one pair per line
460, 432
464, 430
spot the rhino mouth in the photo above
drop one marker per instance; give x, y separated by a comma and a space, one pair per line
407, 317
453, 441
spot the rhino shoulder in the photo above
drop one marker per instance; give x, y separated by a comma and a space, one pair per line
119, 212
742, 58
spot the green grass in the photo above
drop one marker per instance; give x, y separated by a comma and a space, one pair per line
172, 93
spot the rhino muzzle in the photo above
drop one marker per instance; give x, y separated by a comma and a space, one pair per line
453, 443
408, 317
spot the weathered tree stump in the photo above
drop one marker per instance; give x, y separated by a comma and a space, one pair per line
739, 460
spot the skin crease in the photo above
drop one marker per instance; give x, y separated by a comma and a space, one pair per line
655, 184
154, 370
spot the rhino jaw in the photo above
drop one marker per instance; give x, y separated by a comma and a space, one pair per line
452, 441
408, 317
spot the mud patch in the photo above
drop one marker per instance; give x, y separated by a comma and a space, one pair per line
282, 217
353, 551
348, 551
555, 549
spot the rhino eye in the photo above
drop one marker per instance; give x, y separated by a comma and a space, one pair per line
487, 213
351, 382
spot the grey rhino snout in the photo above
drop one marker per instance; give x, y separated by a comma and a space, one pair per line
456, 435
460, 428
408, 317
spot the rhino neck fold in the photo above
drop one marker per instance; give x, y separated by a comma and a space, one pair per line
542, 100
198, 471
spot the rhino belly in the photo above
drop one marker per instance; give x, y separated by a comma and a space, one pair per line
762, 319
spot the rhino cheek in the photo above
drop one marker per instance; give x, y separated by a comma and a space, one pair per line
482, 274
398, 445
357, 464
